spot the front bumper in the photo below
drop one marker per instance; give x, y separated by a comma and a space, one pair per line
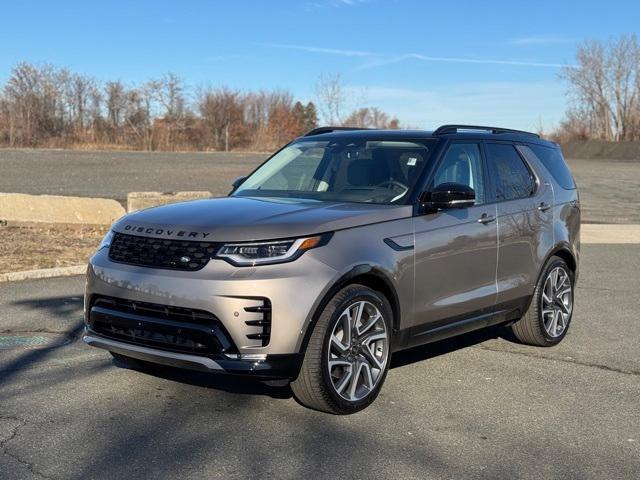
270, 367
234, 295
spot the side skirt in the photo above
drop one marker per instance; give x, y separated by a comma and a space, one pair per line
451, 327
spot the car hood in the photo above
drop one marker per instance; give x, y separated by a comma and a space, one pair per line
233, 219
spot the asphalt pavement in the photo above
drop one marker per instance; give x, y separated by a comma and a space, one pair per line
608, 188
477, 406
111, 174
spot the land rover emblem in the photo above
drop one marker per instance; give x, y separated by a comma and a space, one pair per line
185, 259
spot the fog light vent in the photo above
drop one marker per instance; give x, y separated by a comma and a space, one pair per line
264, 335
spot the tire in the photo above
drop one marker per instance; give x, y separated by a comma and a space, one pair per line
536, 328
329, 388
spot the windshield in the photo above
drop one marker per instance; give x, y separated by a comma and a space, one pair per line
382, 172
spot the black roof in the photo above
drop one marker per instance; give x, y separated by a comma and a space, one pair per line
446, 131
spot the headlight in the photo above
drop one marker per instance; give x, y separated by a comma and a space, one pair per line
269, 252
106, 241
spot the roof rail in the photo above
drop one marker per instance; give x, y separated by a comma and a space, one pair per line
319, 130
454, 128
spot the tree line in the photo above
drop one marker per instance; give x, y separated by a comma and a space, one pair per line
47, 106
604, 91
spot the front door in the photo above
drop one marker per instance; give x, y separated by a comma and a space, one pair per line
456, 249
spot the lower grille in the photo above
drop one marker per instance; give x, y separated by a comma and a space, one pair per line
165, 327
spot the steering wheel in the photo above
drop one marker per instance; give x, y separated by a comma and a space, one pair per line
394, 183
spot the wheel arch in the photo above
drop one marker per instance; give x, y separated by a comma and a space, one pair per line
564, 252
367, 275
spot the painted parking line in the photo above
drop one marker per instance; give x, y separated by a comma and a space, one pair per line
591, 233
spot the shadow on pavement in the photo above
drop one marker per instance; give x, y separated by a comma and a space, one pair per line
243, 385
443, 347
58, 307
216, 381
49, 307
91, 420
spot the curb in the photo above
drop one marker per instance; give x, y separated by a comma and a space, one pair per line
43, 273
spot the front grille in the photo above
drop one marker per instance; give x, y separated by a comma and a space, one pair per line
160, 253
175, 329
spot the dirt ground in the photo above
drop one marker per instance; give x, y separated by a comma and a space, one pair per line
30, 248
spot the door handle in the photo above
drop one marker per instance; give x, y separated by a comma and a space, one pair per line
484, 219
543, 207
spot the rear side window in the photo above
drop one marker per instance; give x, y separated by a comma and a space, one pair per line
552, 159
511, 177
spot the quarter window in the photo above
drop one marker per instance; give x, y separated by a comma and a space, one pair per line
512, 178
552, 159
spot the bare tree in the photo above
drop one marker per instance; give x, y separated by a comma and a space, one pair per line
82, 99
115, 98
370, 117
43, 105
221, 109
169, 94
273, 118
331, 97
35, 98
604, 88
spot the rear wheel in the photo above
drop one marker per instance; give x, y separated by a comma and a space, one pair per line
347, 358
546, 322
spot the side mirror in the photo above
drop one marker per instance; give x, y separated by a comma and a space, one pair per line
237, 182
450, 195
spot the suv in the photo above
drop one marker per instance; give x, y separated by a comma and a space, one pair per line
343, 247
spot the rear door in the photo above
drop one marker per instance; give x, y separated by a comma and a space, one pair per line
524, 203
456, 249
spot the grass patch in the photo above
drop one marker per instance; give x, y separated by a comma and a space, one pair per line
31, 248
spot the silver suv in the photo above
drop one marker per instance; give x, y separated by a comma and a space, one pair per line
342, 248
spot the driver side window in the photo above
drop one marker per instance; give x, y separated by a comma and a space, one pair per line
462, 164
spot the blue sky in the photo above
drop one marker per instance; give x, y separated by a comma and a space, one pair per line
489, 62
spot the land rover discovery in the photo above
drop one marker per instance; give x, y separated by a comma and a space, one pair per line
345, 246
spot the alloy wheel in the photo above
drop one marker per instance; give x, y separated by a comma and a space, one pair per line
557, 302
358, 351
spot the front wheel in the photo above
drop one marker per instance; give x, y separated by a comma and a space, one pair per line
347, 358
546, 322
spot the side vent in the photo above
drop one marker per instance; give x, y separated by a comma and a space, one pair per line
264, 323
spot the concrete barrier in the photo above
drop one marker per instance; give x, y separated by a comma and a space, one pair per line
140, 200
18, 208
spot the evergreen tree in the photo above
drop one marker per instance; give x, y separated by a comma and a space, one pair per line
310, 116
